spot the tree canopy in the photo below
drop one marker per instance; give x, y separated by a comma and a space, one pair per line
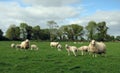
72, 32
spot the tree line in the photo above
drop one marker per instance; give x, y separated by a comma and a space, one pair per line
71, 32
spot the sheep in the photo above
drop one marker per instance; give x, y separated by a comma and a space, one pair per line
25, 44
18, 46
71, 49
12, 45
75, 42
83, 49
59, 47
33, 46
97, 48
54, 44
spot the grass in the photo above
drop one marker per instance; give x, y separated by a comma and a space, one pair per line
49, 60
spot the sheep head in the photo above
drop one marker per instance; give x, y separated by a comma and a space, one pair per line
93, 42
66, 46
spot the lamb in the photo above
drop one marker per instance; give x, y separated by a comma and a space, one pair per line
83, 49
18, 46
25, 44
12, 45
59, 47
54, 44
71, 49
97, 48
33, 46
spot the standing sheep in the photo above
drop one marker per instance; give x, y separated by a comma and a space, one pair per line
33, 46
54, 44
18, 46
97, 48
25, 44
83, 49
59, 47
71, 49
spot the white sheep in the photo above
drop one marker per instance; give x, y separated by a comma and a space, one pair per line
33, 46
59, 47
97, 48
18, 46
54, 44
25, 44
12, 45
83, 49
75, 42
71, 49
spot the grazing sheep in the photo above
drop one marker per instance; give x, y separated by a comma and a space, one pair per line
25, 44
33, 46
54, 44
71, 49
97, 48
83, 49
59, 47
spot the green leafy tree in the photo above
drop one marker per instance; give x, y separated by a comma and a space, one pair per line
117, 38
13, 32
53, 28
29, 32
73, 31
77, 31
45, 34
1, 34
23, 32
26, 31
91, 29
36, 32
102, 31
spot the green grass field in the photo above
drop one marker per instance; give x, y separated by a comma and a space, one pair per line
49, 60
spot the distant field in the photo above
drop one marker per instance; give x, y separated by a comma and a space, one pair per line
49, 60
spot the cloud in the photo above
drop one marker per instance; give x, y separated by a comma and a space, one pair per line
112, 19
53, 3
15, 13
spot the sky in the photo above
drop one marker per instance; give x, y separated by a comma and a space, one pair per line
64, 12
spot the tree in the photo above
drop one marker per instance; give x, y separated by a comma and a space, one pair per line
36, 32
118, 38
91, 29
67, 30
13, 32
77, 31
26, 31
73, 31
45, 34
1, 34
102, 31
23, 33
29, 32
53, 29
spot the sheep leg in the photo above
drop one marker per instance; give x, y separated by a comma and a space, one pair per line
82, 52
68, 53
74, 53
59, 49
94, 55
37, 48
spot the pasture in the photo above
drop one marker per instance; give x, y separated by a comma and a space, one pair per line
50, 60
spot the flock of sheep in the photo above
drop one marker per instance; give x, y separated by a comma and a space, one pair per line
24, 45
93, 48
